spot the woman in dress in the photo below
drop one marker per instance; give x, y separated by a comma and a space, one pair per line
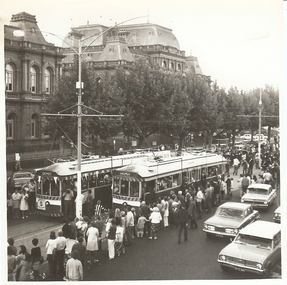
155, 219
32, 196
50, 245
92, 241
24, 203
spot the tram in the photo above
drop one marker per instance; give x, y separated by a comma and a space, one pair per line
158, 176
52, 181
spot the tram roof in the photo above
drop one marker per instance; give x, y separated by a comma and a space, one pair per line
165, 167
98, 165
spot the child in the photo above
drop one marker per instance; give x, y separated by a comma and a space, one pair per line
36, 258
140, 225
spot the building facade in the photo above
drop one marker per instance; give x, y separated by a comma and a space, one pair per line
32, 70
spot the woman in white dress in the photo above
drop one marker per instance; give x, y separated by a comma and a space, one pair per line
24, 203
92, 241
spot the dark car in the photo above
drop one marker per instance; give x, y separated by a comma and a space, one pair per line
19, 178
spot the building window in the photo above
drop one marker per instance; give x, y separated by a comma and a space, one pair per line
171, 65
34, 126
9, 77
47, 81
178, 67
164, 64
33, 79
10, 127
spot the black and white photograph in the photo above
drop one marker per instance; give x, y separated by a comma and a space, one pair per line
143, 141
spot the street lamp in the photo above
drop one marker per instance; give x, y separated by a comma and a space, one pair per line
259, 142
79, 86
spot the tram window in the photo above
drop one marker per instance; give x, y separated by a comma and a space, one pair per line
150, 186
93, 180
85, 184
134, 189
116, 184
46, 187
55, 188
195, 175
175, 180
125, 188
212, 171
107, 178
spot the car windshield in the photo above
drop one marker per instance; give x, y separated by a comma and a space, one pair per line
253, 240
258, 191
229, 212
22, 175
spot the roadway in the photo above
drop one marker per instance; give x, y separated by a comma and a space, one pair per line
162, 259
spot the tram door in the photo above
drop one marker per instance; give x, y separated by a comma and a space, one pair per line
104, 193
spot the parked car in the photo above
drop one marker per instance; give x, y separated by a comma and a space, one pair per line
256, 249
262, 137
229, 218
19, 178
259, 195
277, 215
246, 137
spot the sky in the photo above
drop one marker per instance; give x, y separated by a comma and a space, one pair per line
237, 43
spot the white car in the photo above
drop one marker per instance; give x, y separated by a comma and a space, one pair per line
246, 137
256, 249
262, 137
259, 195
277, 215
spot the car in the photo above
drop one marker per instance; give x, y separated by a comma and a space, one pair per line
277, 215
259, 195
256, 249
263, 138
20, 178
246, 137
229, 218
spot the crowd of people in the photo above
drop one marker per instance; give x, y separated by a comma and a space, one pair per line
77, 244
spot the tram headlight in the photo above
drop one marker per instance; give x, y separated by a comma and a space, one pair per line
47, 203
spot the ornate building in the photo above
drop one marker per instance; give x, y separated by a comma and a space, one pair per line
32, 69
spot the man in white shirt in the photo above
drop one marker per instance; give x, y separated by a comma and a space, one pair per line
59, 254
74, 268
235, 166
199, 198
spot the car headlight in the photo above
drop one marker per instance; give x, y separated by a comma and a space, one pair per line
222, 257
259, 265
265, 202
209, 227
242, 200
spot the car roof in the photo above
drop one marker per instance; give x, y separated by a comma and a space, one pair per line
259, 186
237, 205
263, 229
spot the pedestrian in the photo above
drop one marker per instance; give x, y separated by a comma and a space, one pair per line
99, 226
235, 166
32, 196
85, 226
135, 222
254, 179
182, 217
11, 263
145, 211
92, 241
165, 207
24, 207
191, 214
68, 202
216, 188
208, 197
36, 258
59, 255
140, 226
119, 239
9, 206
267, 176
111, 239
11, 243
74, 268
260, 179
81, 248
89, 204
16, 199
66, 228
99, 209
50, 245
21, 253
155, 219
228, 187
129, 225
199, 199
245, 183
23, 270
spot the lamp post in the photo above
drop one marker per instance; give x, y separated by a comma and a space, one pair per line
79, 86
259, 131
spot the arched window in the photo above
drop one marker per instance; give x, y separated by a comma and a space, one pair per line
10, 126
9, 77
34, 126
47, 81
33, 79
164, 64
178, 67
171, 65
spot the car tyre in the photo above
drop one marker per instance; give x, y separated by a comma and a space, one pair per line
267, 272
